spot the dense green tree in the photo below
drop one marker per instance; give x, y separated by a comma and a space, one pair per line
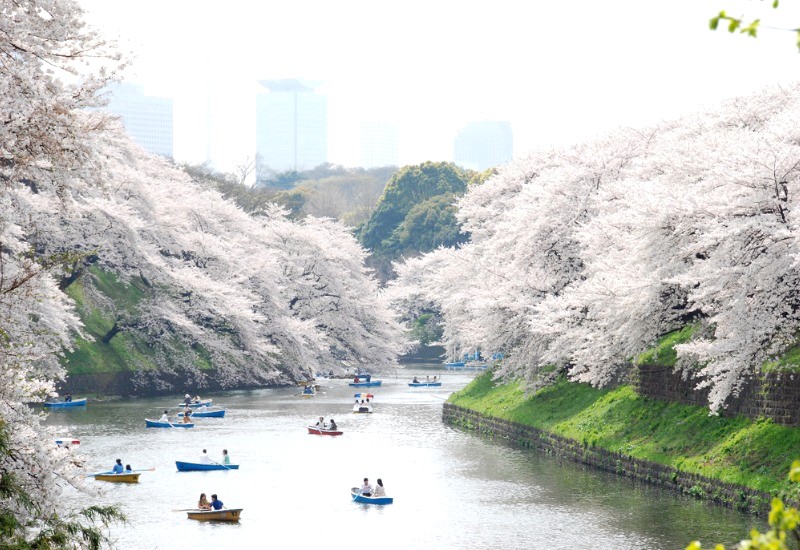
411, 186
427, 226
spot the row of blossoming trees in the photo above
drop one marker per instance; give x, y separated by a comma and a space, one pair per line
582, 257
268, 299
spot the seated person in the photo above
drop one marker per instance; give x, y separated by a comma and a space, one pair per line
366, 488
379, 490
118, 469
216, 503
204, 459
415, 381
203, 503
128, 469
164, 418
333, 424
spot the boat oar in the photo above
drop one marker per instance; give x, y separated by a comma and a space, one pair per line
153, 469
99, 474
220, 464
185, 509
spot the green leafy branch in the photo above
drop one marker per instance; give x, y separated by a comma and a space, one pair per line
737, 24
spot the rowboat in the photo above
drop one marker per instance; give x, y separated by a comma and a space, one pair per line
363, 403
67, 441
316, 431
159, 424
309, 391
62, 404
197, 467
118, 478
206, 414
226, 514
454, 364
193, 404
370, 384
424, 384
358, 497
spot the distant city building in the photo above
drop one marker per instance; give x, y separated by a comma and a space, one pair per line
482, 145
291, 125
148, 119
380, 144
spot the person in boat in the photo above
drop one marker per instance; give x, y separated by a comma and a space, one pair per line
187, 411
187, 399
216, 503
333, 424
366, 488
204, 458
196, 399
321, 423
226, 459
415, 381
368, 378
164, 417
67, 398
428, 378
118, 469
356, 380
379, 490
186, 418
435, 377
128, 469
203, 503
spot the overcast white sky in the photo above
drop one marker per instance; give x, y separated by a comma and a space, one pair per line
559, 71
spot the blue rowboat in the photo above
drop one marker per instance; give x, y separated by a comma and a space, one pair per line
370, 384
204, 402
61, 404
158, 424
358, 497
424, 384
205, 414
196, 467
455, 364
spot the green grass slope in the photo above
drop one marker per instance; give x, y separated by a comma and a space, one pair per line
738, 450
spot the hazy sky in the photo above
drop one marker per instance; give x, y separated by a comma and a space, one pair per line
559, 71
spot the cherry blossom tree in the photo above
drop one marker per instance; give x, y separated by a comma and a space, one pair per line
582, 257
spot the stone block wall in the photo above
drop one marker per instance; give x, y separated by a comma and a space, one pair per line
728, 494
774, 395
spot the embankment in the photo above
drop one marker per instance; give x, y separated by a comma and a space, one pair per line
735, 461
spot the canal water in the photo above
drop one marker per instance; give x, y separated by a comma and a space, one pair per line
451, 489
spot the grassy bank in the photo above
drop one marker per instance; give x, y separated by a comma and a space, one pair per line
738, 450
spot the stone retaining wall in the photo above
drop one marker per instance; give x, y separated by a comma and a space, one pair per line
774, 395
727, 494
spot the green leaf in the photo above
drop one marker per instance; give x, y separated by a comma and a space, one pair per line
713, 23
733, 25
752, 28
775, 4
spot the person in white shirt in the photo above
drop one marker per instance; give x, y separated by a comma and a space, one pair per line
164, 418
204, 459
379, 490
366, 489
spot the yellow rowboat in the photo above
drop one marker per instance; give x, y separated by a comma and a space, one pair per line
118, 478
226, 514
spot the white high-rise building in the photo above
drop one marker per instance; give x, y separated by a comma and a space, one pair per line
148, 119
380, 144
291, 125
484, 144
